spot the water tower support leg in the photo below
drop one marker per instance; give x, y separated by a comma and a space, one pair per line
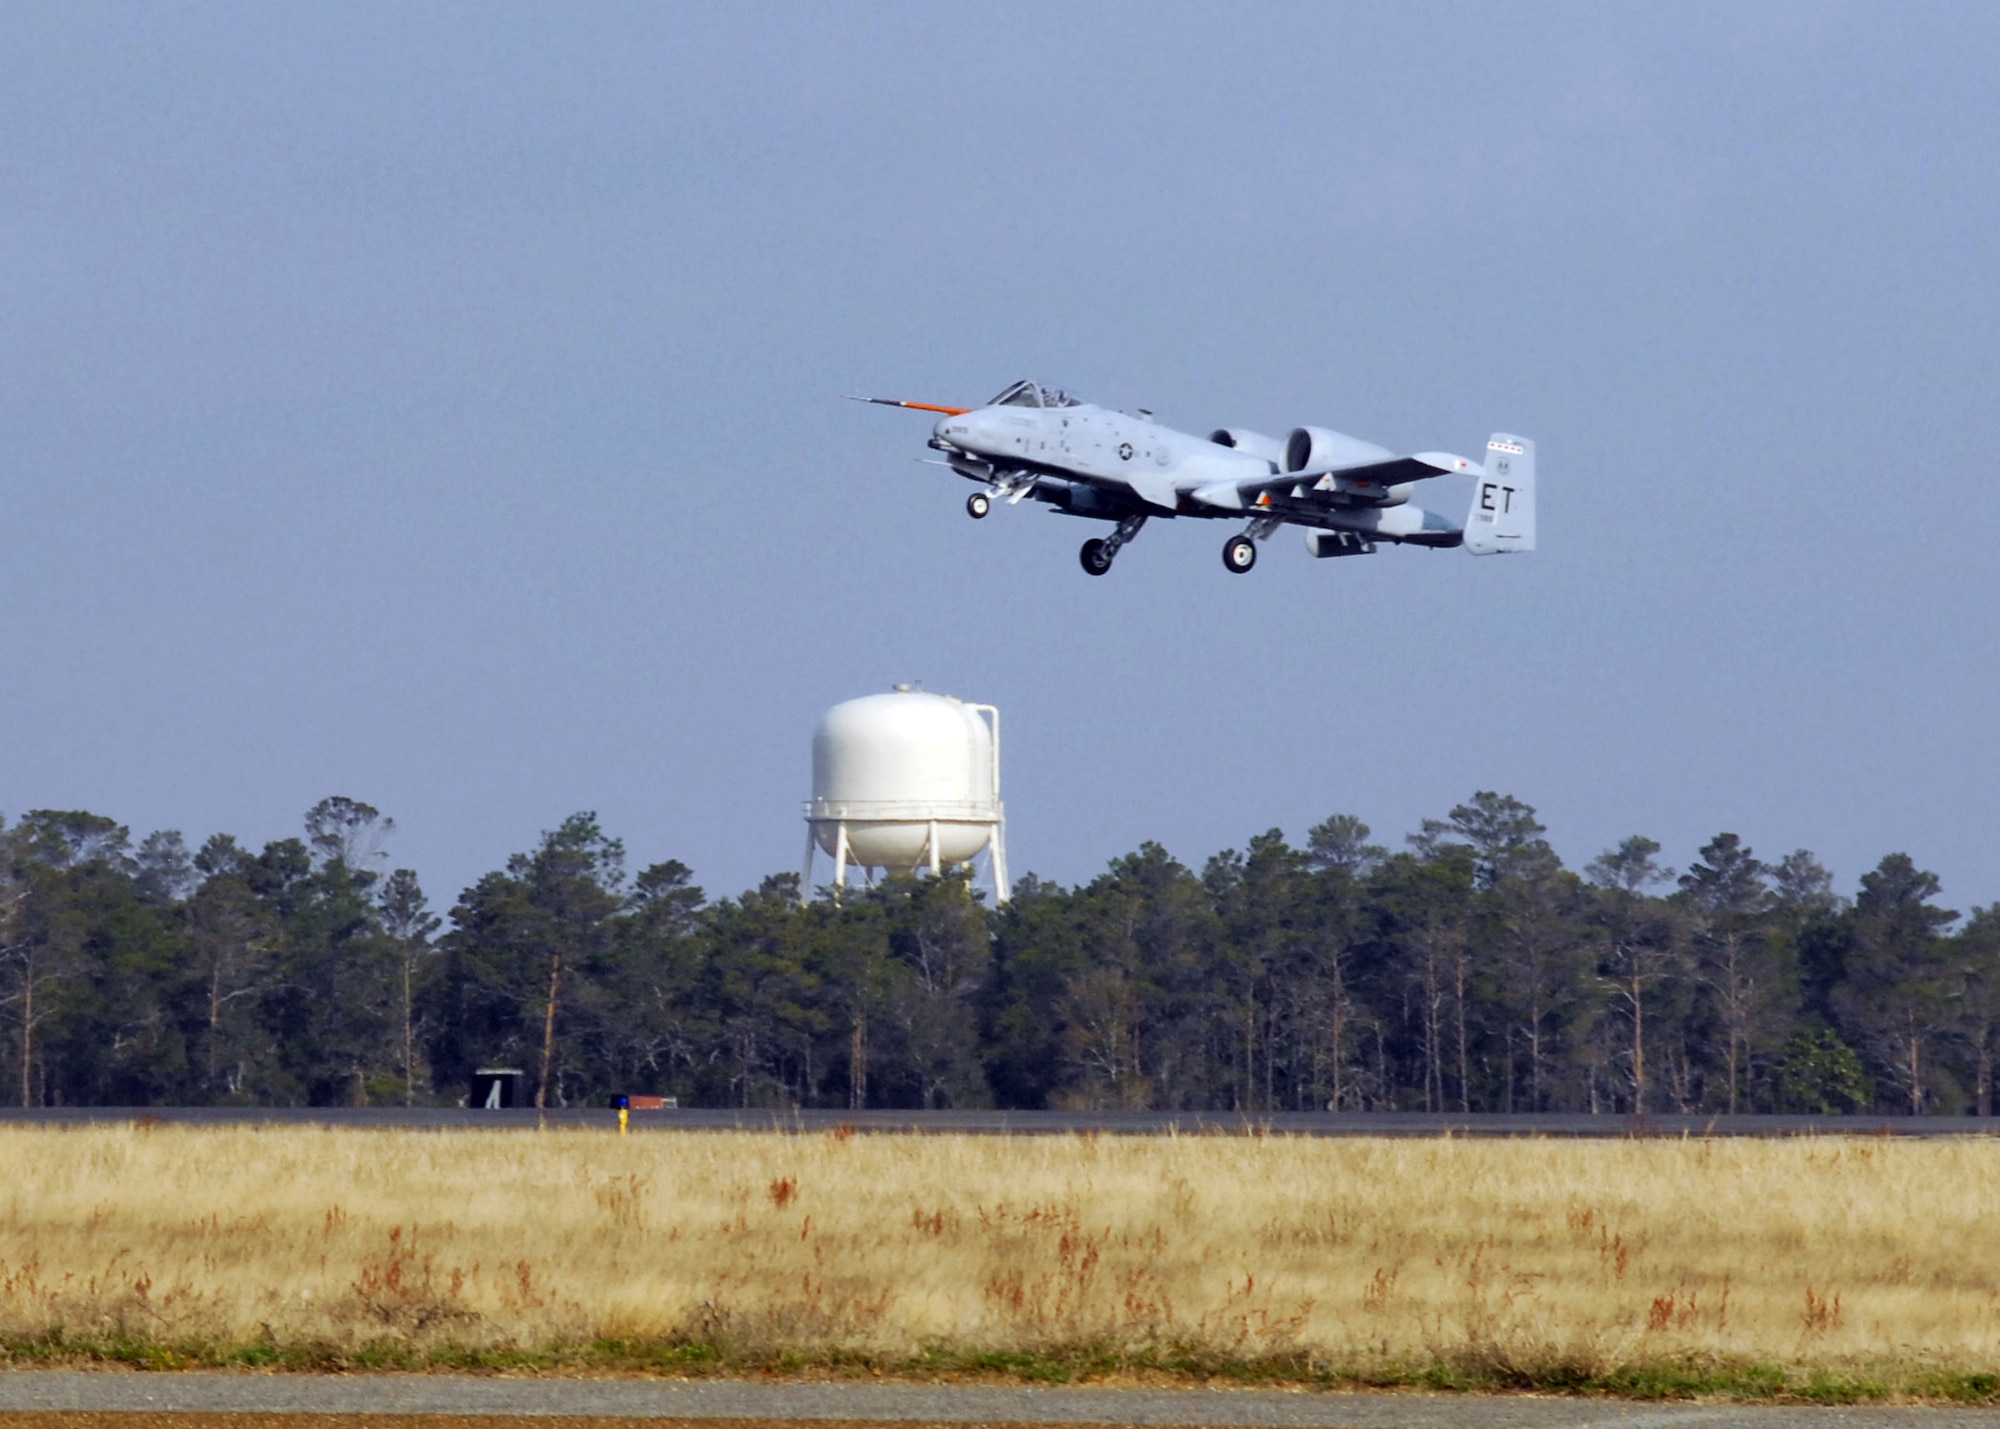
936, 868
839, 857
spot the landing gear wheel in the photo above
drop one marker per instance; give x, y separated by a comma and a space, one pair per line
1239, 554
977, 505
1094, 557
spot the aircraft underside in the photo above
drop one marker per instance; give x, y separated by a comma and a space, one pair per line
1339, 533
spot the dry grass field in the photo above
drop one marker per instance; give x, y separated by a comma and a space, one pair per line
1521, 1258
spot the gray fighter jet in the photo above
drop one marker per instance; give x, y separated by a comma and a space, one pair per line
1039, 442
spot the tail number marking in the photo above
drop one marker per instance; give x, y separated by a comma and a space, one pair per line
1488, 491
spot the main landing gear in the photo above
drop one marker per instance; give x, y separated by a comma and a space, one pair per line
1096, 556
1239, 553
977, 505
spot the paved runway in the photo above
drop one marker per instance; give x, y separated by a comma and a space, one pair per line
54, 1397
1028, 1123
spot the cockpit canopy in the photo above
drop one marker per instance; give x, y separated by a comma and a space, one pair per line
1033, 394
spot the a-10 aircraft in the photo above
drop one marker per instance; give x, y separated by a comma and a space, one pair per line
1123, 467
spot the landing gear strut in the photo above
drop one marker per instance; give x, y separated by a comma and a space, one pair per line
1239, 553
1097, 555
977, 505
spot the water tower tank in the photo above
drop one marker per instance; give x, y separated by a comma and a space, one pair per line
906, 780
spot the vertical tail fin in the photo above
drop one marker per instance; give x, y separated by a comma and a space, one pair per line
1503, 503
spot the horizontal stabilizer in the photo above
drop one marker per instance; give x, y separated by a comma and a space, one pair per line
1448, 462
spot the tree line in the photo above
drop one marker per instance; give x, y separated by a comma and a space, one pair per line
1467, 971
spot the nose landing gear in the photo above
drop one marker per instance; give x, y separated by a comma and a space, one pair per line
1097, 555
977, 505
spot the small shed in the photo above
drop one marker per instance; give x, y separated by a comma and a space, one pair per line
497, 1088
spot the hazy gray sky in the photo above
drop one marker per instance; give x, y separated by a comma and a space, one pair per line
439, 405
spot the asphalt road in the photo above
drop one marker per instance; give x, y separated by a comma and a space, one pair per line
1028, 1123
56, 1396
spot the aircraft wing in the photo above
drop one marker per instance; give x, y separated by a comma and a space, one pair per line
1322, 484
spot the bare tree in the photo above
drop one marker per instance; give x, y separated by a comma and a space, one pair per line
343, 830
28, 973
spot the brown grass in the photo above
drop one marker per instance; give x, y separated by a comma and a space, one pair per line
1812, 1254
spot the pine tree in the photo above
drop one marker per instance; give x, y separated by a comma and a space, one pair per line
1975, 958
1896, 994
1728, 903
1640, 946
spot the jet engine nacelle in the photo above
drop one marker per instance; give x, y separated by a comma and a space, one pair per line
1253, 443
1317, 449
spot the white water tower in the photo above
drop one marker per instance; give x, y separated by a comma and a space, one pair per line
903, 781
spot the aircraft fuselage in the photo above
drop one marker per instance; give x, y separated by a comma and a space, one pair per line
1123, 467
